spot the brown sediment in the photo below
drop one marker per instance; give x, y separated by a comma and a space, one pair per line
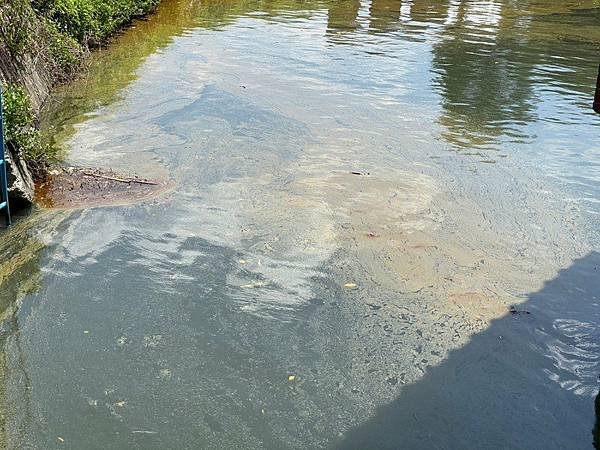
77, 187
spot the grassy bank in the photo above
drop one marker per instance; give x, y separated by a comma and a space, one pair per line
43, 43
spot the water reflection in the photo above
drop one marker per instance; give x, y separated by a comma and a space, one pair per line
113, 69
484, 79
20, 253
494, 64
22, 248
343, 17
384, 14
496, 69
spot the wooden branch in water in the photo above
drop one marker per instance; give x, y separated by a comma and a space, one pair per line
121, 180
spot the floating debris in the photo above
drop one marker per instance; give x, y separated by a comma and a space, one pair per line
513, 310
350, 285
152, 341
74, 187
291, 377
165, 374
120, 180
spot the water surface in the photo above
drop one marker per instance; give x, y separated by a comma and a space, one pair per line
177, 323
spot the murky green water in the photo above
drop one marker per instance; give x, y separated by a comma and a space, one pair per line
217, 316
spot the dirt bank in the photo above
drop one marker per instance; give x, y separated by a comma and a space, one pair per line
76, 187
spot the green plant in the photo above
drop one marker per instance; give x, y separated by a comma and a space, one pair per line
55, 32
65, 52
91, 21
22, 138
16, 17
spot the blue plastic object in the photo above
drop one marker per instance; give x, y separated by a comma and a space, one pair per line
4, 206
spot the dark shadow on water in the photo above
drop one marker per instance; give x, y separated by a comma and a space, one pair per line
597, 426
526, 382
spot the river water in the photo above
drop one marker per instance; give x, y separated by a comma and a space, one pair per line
275, 299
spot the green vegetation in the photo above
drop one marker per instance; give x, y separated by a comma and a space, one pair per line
65, 52
22, 138
16, 20
55, 35
91, 21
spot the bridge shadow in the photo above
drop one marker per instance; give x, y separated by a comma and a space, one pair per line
526, 382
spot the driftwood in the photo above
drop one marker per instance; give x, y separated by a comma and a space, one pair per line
120, 180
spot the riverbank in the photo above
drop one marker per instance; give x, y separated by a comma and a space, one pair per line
43, 44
